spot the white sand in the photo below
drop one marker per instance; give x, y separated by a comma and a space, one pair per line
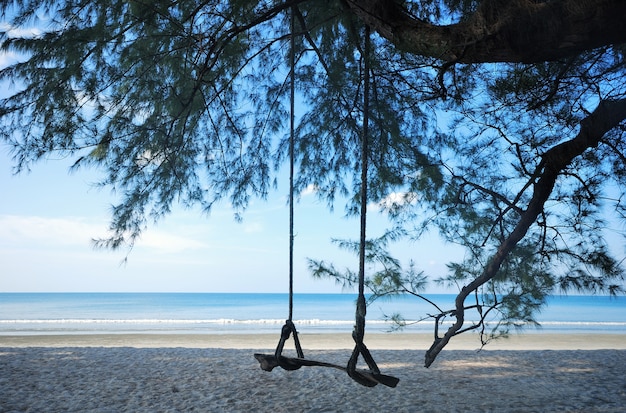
206, 373
381, 341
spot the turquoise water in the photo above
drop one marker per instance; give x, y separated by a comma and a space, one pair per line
93, 313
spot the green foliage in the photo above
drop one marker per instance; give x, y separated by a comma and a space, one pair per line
386, 277
182, 103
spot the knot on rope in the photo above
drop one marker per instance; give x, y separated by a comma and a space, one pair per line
358, 334
288, 329
361, 349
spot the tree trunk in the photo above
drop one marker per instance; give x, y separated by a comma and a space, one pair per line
525, 31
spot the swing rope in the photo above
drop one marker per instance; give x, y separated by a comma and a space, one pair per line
361, 307
292, 125
289, 328
371, 377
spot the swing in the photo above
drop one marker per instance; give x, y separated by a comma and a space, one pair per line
268, 362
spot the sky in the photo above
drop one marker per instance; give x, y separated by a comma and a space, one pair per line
48, 218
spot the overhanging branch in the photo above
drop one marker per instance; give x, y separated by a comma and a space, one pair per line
608, 114
524, 31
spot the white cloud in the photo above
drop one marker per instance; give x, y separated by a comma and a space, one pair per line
44, 232
168, 243
397, 200
20, 32
7, 59
253, 227
29, 230
12, 32
147, 157
309, 190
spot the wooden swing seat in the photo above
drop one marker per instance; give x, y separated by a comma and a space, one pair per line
368, 378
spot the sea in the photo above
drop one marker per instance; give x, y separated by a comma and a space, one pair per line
250, 313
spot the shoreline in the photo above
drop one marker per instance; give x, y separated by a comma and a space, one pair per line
324, 341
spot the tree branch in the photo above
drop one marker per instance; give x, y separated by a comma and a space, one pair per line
605, 117
524, 31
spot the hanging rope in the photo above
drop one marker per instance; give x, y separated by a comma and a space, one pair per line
371, 377
361, 307
289, 328
292, 124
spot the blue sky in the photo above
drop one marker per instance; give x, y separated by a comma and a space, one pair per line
48, 218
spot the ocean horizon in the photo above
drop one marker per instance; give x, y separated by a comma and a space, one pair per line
249, 313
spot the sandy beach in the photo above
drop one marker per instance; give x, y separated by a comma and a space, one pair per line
218, 373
